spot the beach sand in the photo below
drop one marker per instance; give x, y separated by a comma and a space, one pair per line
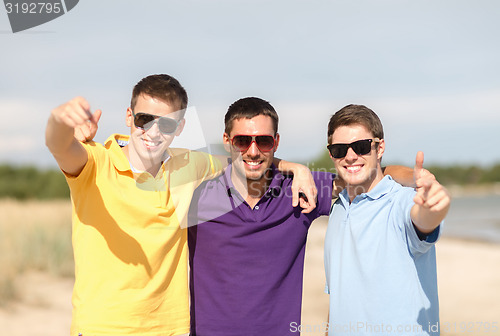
468, 279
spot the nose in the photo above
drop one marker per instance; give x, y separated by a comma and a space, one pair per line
253, 150
351, 156
154, 130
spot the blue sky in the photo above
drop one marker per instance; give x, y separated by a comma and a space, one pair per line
428, 68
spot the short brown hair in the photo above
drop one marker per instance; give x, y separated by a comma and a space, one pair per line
163, 87
356, 114
249, 108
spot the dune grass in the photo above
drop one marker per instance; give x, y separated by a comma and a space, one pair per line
34, 235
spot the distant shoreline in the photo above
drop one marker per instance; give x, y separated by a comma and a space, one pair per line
476, 190
468, 239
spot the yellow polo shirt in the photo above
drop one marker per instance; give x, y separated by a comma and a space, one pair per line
130, 250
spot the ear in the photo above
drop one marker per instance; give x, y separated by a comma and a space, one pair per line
226, 140
180, 127
276, 142
380, 149
129, 118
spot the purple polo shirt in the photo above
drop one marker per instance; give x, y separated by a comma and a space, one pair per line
247, 264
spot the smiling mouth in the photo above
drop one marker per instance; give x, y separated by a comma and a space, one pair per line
253, 164
353, 169
150, 144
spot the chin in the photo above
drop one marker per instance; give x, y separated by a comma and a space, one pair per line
354, 179
252, 176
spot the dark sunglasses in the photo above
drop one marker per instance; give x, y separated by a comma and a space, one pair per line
265, 143
145, 121
360, 147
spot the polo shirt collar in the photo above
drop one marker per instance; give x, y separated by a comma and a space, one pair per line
382, 188
115, 143
274, 190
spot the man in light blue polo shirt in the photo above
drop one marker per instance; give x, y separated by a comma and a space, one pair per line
379, 248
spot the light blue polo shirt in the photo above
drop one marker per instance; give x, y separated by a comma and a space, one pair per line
380, 276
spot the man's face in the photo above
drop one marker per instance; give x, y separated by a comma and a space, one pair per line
357, 170
150, 144
252, 163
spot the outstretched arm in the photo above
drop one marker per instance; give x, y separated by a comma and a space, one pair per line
59, 134
432, 200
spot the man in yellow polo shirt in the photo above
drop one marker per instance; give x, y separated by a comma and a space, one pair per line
130, 197
130, 251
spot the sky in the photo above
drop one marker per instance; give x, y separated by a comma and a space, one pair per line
428, 68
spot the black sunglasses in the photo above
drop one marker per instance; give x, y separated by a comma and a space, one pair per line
360, 147
145, 121
265, 143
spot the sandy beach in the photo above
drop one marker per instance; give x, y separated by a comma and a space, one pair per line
468, 276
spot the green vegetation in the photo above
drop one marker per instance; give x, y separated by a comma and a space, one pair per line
447, 175
466, 175
29, 182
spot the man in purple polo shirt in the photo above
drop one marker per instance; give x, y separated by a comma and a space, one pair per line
247, 254
246, 241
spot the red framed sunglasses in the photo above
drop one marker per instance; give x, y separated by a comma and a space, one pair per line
241, 142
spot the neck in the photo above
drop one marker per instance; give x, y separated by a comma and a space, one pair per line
354, 190
137, 163
251, 190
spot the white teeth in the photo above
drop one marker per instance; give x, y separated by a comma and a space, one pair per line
150, 143
353, 169
252, 163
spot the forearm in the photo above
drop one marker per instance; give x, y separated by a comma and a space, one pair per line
401, 174
425, 219
303, 187
69, 153
58, 136
286, 167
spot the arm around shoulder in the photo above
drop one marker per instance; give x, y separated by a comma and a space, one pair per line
401, 174
304, 188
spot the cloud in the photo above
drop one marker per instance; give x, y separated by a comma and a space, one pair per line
444, 126
422, 65
12, 145
22, 130
460, 107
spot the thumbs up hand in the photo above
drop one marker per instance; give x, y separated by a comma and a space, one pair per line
430, 193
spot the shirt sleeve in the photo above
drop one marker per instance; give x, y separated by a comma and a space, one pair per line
76, 183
